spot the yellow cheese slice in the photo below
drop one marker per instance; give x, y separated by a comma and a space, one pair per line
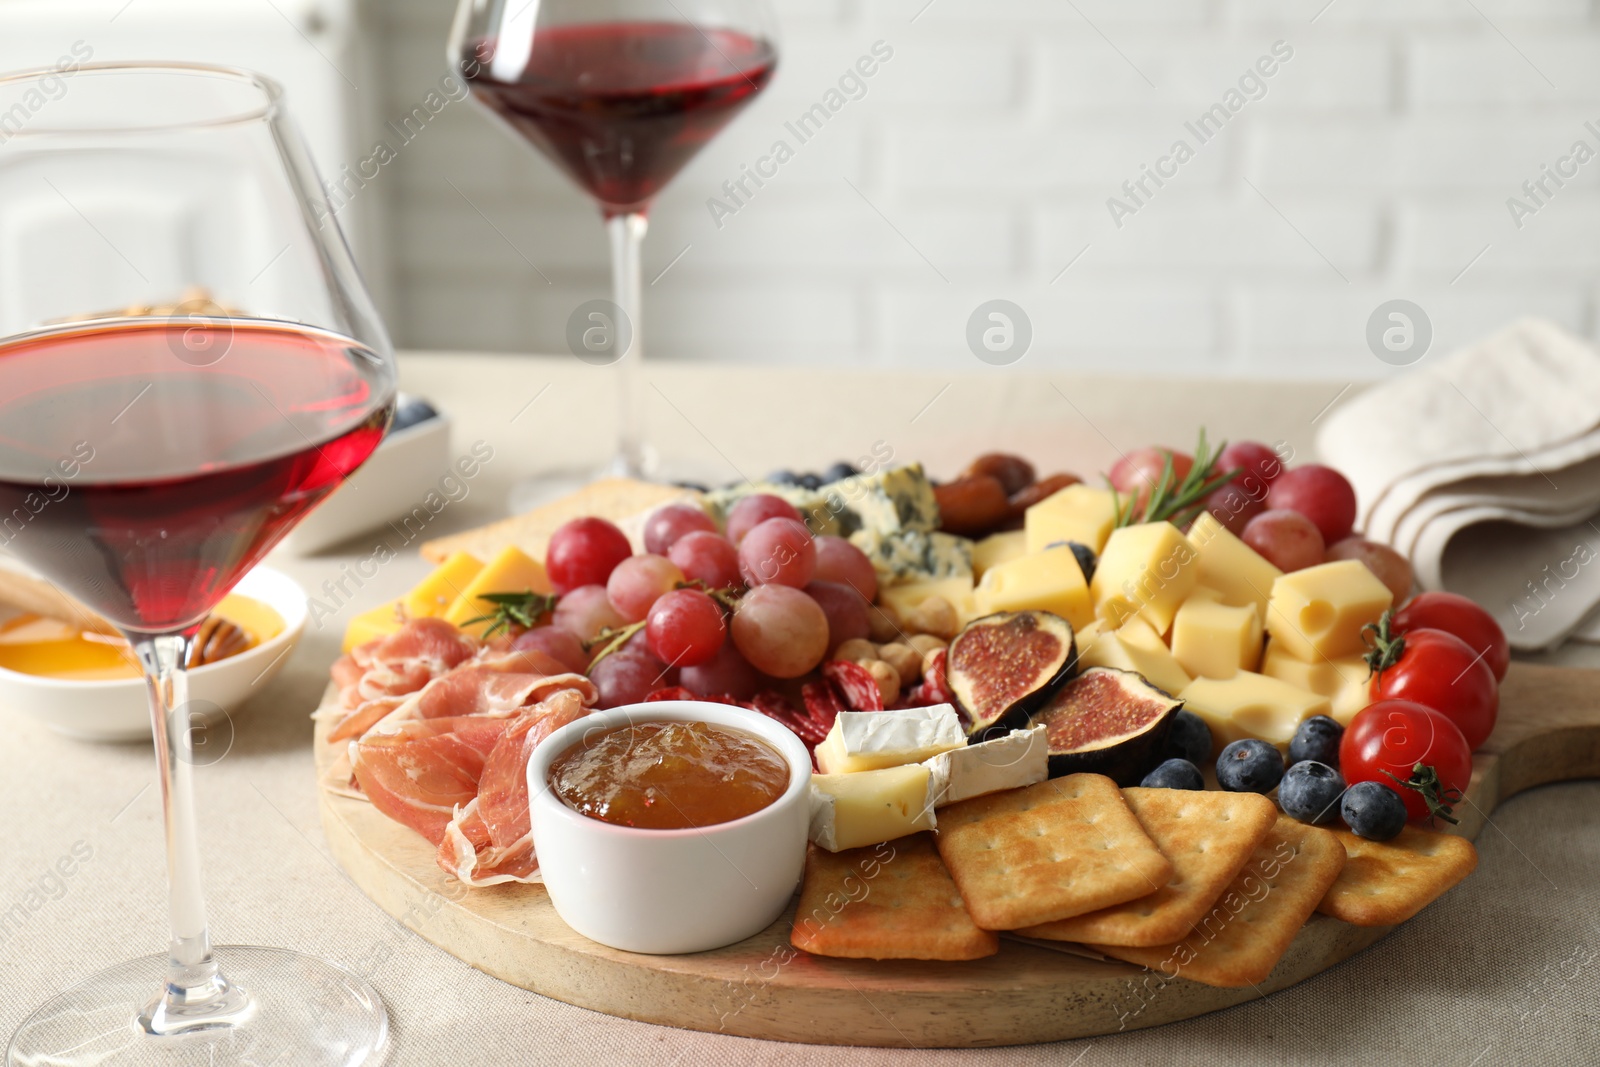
1078, 513
869, 807
1050, 581
1238, 573
1145, 570
381, 621
998, 548
907, 596
1344, 681
1317, 613
1134, 647
1251, 705
1211, 639
512, 571
434, 595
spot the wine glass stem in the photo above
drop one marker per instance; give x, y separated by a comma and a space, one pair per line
196, 995
627, 234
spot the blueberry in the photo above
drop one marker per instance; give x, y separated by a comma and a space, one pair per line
1310, 792
839, 472
1082, 553
1317, 739
1189, 738
1175, 774
1374, 811
811, 481
783, 477
1249, 766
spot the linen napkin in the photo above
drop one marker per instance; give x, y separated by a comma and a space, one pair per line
1484, 469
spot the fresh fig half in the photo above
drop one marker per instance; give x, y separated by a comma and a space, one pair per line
1002, 666
1109, 722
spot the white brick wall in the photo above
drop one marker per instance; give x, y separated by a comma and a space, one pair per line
1376, 165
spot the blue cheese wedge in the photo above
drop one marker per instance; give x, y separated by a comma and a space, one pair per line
869, 807
888, 502
870, 740
1019, 758
915, 555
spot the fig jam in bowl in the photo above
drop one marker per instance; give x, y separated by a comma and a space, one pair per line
673, 826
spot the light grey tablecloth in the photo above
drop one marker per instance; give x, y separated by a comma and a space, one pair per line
1505, 969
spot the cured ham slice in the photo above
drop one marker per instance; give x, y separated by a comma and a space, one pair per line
422, 770
402, 662
480, 690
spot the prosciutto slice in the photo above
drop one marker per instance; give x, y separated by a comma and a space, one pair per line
420, 771
402, 662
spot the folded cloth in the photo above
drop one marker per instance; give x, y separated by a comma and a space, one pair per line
1484, 469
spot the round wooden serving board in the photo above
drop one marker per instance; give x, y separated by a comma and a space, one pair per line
1549, 730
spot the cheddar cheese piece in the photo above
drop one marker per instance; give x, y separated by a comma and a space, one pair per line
1078, 513
1317, 613
1211, 639
1236, 572
1251, 705
1134, 647
434, 595
869, 807
997, 549
1344, 681
906, 597
1050, 581
512, 571
379, 622
1146, 570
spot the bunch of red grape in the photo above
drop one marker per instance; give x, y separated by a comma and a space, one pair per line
783, 596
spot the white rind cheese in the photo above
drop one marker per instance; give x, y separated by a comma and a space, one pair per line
1019, 758
869, 807
870, 740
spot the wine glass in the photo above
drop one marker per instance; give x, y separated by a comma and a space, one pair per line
620, 94
188, 364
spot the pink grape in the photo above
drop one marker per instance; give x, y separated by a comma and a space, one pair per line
1252, 457
840, 561
626, 677
1287, 539
780, 630
1233, 505
1138, 471
1391, 568
778, 551
751, 511
845, 609
560, 644
1321, 494
671, 521
707, 557
585, 611
685, 627
638, 581
584, 552
725, 674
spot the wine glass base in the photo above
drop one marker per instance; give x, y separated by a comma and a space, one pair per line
306, 1012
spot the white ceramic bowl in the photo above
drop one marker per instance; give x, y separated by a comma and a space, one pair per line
119, 710
671, 891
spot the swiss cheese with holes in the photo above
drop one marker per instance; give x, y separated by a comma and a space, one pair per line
1317, 613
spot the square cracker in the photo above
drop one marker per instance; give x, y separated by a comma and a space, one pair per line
1049, 851
1207, 835
882, 902
1387, 882
1250, 928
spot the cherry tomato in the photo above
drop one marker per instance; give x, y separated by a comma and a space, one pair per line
1392, 737
1140, 470
1461, 616
1438, 670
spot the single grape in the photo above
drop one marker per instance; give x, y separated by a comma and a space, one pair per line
638, 581
585, 611
845, 609
671, 521
726, 673
584, 552
778, 551
1321, 494
1286, 538
749, 512
707, 557
560, 644
625, 677
780, 630
840, 561
1139, 470
685, 627
1234, 506
1252, 457
1392, 569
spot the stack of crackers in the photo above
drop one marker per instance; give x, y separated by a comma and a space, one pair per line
1206, 885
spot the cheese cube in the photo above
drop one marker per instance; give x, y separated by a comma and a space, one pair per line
379, 622
1019, 758
1145, 570
869, 740
868, 808
998, 548
906, 597
1317, 613
512, 571
434, 594
1135, 647
1238, 573
1211, 639
1078, 513
1344, 681
1251, 705
1050, 580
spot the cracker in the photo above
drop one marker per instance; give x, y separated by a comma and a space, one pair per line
1387, 882
893, 901
1243, 936
1207, 835
1049, 851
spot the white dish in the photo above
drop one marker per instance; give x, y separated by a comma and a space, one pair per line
118, 709
671, 891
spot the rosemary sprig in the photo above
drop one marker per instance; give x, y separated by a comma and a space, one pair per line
523, 609
1171, 499
609, 640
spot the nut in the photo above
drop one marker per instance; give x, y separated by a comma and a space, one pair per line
934, 616
888, 680
926, 643
882, 624
855, 650
904, 659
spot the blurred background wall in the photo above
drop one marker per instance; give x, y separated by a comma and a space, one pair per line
1378, 160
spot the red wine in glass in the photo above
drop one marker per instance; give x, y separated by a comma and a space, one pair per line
622, 106
182, 476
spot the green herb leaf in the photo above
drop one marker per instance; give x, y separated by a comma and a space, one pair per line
1172, 499
523, 609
